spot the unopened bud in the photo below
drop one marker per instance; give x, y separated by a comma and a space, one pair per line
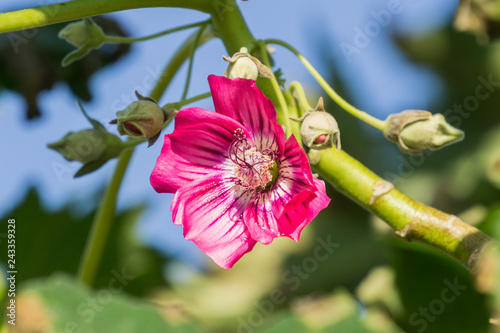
414, 130
243, 65
82, 146
92, 147
319, 129
85, 35
142, 119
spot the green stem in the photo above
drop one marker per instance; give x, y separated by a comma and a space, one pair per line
102, 222
284, 115
361, 115
78, 9
104, 217
414, 221
120, 39
183, 102
179, 57
296, 87
191, 60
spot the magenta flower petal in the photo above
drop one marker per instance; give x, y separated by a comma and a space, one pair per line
241, 100
300, 215
198, 146
292, 188
209, 210
236, 180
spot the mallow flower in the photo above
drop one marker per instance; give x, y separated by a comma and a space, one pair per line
237, 180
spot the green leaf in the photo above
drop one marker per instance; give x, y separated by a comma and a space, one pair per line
74, 55
433, 290
48, 242
288, 324
90, 167
69, 307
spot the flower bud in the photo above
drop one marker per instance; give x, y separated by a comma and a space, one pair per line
82, 146
243, 65
414, 130
85, 35
319, 129
92, 147
142, 119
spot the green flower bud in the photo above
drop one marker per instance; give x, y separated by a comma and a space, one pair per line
414, 130
243, 65
92, 147
85, 35
319, 129
82, 146
142, 119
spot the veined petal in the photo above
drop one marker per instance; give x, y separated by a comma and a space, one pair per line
241, 100
291, 189
210, 211
259, 218
199, 145
296, 216
295, 180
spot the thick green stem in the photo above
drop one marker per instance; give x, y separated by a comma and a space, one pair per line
78, 9
106, 212
413, 220
231, 26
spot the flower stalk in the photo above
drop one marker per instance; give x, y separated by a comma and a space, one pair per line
412, 220
127, 40
78, 9
361, 115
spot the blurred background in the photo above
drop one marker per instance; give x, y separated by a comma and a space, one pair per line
348, 273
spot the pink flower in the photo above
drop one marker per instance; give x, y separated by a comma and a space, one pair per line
236, 180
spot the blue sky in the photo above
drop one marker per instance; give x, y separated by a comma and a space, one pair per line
379, 77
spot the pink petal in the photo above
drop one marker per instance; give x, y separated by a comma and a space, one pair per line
295, 181
296, 217
300, 208
210, 211
241, 100
198, 146
292, 188
260, 220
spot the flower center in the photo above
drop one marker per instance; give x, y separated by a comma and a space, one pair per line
254, 169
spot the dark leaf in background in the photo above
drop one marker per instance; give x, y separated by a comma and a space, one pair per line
48, 242
30, 62
438, 295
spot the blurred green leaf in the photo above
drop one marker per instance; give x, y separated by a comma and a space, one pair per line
288, 324
48, 242
68, 307
438, 295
